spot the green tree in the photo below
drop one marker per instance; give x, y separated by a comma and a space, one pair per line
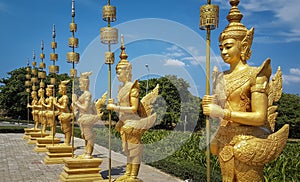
13, 96
175, 102
289, 113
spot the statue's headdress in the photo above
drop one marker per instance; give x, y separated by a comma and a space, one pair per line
235, 29
63, 84
50, 87
123, 63
84, 78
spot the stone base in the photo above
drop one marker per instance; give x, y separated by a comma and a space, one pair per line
81, 170
57, 153
35, 135
28, 131
42, 143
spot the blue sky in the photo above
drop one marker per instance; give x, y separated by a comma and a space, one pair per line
161, 33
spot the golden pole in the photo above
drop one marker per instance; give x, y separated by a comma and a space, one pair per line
109, 36
28, 84
34, 81
208, 21
53, 69
73, 57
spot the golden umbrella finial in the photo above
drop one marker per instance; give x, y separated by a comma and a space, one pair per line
109, 35
53, 69
73, 58
28, 85
209, 18
42, 66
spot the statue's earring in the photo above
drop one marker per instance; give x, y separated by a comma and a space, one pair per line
245, 52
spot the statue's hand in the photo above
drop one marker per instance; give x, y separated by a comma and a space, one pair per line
110, 105
213, 110
74, 97
209, 99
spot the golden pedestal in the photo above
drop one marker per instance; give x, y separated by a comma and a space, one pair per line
57, 153
42, 143
81, 170
28, 131
35, 135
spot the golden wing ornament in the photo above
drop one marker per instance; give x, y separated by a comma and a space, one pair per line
274, 94
146, 104
99, 103
259, 151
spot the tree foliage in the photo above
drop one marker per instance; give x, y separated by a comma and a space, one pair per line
175, 104
289, 113
13, 95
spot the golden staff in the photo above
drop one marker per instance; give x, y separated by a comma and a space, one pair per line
209, 17
41, 72
53, 70
109, 36
73, 57
34, 80
28, 85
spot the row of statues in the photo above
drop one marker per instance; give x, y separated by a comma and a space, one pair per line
242, 101
45, 110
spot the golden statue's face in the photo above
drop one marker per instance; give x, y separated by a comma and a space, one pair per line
33, 95
82, 84
48, 91
230, 50
61, 90
122, 74
41, 92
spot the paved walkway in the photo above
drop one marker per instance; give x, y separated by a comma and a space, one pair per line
20, 163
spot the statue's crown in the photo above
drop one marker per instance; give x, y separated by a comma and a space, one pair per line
123, 62
235, 29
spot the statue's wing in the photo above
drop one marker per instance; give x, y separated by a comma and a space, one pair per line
100, 102
146, 104
274, 94
259, 151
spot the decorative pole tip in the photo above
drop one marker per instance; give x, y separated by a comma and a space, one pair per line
53, 31
122, 39
42, 45
33, 54
73, 8
234, 2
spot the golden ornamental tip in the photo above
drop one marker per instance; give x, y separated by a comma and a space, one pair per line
53, 31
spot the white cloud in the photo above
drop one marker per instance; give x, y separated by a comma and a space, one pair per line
174, 52
295, 71
290, 79
285, 16
281, 18
174, 62
195, 60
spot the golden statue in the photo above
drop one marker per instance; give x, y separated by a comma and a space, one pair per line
89, 114
41, 109
135, 116
35, 110
50, 113
64, 114
243, 100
